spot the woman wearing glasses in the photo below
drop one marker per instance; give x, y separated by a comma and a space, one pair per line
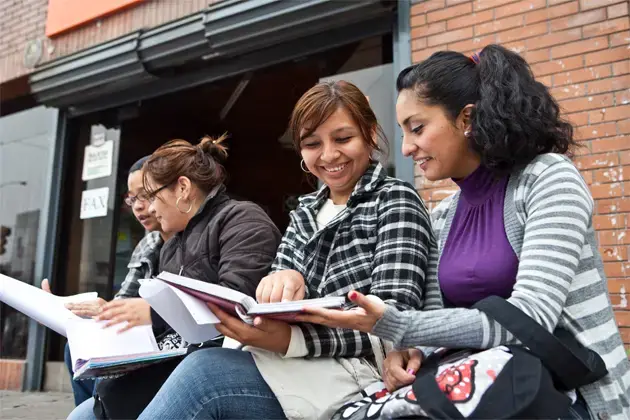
214, 239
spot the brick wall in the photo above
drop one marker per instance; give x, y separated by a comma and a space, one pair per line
581, 50
25, 20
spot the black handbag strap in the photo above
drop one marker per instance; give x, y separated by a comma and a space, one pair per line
573, 368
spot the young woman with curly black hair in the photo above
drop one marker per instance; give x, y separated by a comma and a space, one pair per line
520, 227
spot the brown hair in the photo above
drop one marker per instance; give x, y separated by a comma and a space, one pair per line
323, 99
200, 163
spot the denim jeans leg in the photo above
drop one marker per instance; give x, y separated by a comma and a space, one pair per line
215, 383
82, 390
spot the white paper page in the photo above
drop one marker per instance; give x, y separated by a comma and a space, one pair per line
189, 316
88, 339
43, 307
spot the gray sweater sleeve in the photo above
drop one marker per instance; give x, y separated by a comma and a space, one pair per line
558, 215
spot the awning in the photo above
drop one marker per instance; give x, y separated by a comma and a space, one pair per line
227, 38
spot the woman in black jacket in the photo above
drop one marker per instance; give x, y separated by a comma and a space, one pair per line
217, 239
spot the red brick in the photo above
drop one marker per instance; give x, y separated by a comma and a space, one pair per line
624, 158
618, 285
469, 20
618, 112
554, 38
569, 91
423, 31
596, 131
622, 97
606, 190
454, 2
610, 175
613, 253
622, 67
613, 205
449, 12
592, 4
614, 269
522, 33
423, 54
583, 104
518, 8
579, 19
607, 222
604, 160
577, 119
588, 176
579, 47
582, 75
551, 12
623, 127
556, 66
625, 334
609, 85
499, 25
619, 39
622, 318
426, 6
606, 56
418, 20
614, 237
418, 43
611, 144
487, 4
606, 27
451, 36
476, 43
618, 10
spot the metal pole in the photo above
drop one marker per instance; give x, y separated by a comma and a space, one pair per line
46, 244
402, 59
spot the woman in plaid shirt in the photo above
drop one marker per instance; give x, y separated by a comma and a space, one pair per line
362, 230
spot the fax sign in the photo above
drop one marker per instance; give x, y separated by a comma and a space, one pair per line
94, 203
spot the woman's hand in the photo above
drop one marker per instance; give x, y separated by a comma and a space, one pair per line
400, 368
134, 311
281, 286
266, 334
83, 309
363, 318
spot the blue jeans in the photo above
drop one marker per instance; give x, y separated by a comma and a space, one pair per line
215, 383
83, 411
82, 390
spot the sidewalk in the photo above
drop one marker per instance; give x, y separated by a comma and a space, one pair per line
35, 405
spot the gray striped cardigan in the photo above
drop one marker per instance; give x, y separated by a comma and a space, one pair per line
560, 281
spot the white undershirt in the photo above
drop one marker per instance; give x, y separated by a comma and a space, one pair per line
297, 345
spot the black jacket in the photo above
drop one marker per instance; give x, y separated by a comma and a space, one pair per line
228, 242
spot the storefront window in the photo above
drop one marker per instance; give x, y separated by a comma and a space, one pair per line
26, 143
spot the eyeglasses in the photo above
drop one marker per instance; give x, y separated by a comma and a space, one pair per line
130, 200
151, 197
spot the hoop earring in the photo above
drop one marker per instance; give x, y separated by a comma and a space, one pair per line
180, 210
302, 164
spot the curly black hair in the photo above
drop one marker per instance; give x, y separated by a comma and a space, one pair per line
515, 118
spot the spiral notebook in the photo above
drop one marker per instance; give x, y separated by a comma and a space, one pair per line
111, 367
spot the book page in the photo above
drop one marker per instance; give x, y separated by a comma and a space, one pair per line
43, 307
297, 305
186, 314
214, 290
88, 339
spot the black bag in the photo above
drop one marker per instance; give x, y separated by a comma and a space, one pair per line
532, 384
125, 397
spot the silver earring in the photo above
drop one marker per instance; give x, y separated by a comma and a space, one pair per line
467, 133
302, 166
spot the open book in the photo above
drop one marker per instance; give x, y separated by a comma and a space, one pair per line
181, 301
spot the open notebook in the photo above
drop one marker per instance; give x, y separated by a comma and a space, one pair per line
104, 352
181, 301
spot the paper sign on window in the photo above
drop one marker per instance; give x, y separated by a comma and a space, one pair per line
97, 161
94, 203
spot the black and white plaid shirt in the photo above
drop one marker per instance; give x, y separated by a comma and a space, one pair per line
142, 265
379, 244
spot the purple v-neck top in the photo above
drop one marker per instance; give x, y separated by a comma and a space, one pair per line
477, 260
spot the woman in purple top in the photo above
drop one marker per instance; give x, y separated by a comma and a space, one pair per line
520, 227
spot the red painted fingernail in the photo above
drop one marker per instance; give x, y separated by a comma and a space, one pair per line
353, 295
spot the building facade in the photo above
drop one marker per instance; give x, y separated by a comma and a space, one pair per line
86, 88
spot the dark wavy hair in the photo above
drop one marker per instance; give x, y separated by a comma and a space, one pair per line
515, 118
